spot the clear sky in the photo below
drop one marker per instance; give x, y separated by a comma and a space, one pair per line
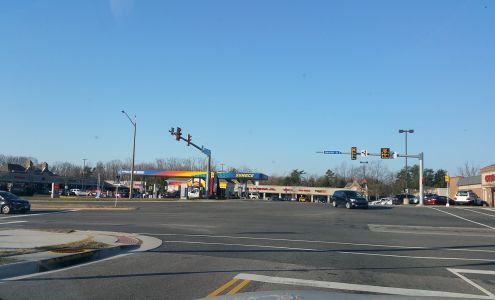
261, 83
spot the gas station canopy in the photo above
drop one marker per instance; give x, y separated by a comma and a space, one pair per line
197, 174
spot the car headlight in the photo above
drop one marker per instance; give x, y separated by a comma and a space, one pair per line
353, 200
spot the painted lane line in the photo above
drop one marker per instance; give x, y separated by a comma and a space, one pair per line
222, 288
239, 287
465, 219
327, 250
245, 245
478, 212
40, 214
357, 287
282, 240
458, 272
317, 242
12, 222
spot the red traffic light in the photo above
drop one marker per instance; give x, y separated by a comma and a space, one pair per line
385, 153
353, 153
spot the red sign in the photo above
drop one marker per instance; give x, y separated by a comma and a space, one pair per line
490, 178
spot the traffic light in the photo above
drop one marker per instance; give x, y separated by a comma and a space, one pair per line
178, 133
385, 153
172, 131
189, 138
353, 153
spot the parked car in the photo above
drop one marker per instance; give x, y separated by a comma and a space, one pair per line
254, 196
400, 199
276, 198
467, 197
349, 198
11, 203
438, 200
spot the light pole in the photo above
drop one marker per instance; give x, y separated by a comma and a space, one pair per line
406, 191
84, 167
133, 152
364, 176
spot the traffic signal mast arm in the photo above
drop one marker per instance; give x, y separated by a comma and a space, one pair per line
188, 140
368, 154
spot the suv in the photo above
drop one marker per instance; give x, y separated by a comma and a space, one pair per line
349, 198
467, 197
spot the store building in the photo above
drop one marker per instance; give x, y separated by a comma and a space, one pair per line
488, 184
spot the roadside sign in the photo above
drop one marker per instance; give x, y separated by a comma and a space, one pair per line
395, 154
364, 152
447, 178
332, 152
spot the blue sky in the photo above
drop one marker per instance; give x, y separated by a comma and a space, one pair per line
263, 84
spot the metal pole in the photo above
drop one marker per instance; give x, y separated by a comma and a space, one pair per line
84, 167
407, 174
421, 166
133, 158
208, 177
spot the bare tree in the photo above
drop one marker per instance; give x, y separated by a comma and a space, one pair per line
468, 169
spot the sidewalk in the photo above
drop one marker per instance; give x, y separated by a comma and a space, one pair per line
24, 251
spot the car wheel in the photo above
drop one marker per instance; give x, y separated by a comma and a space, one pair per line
334, 203
6, 209
348, 205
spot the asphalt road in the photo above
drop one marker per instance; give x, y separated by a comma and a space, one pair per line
248, 246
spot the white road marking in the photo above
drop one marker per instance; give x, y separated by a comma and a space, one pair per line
39, 214
459, 271
189, 225
318, 242
12, 222
356, 287
336, 251
281, 239
478, 212
465, 219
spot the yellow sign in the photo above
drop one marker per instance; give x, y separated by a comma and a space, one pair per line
447, 178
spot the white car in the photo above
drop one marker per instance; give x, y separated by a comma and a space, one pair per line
78, 192
467, 197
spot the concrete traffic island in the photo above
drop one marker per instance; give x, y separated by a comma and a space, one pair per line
25, 251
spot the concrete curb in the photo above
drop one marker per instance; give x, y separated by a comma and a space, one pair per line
30, 267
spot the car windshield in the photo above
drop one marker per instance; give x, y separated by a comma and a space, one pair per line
462, 193
8, 196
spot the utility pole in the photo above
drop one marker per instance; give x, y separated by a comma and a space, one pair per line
364, 177
133, 153
84, 168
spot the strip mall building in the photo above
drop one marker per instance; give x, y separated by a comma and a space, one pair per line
483, 185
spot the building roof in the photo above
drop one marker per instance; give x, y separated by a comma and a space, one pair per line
471, 180
488, 168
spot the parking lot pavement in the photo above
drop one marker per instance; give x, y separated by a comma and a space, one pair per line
221, 248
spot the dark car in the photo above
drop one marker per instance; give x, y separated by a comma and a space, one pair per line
11, 203
276, 198
399, 199
349, 198
438, 200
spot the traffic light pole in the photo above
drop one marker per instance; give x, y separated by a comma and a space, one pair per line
420, 157
203, 150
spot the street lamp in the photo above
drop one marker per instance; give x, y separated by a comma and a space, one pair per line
407, 174
133, 152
